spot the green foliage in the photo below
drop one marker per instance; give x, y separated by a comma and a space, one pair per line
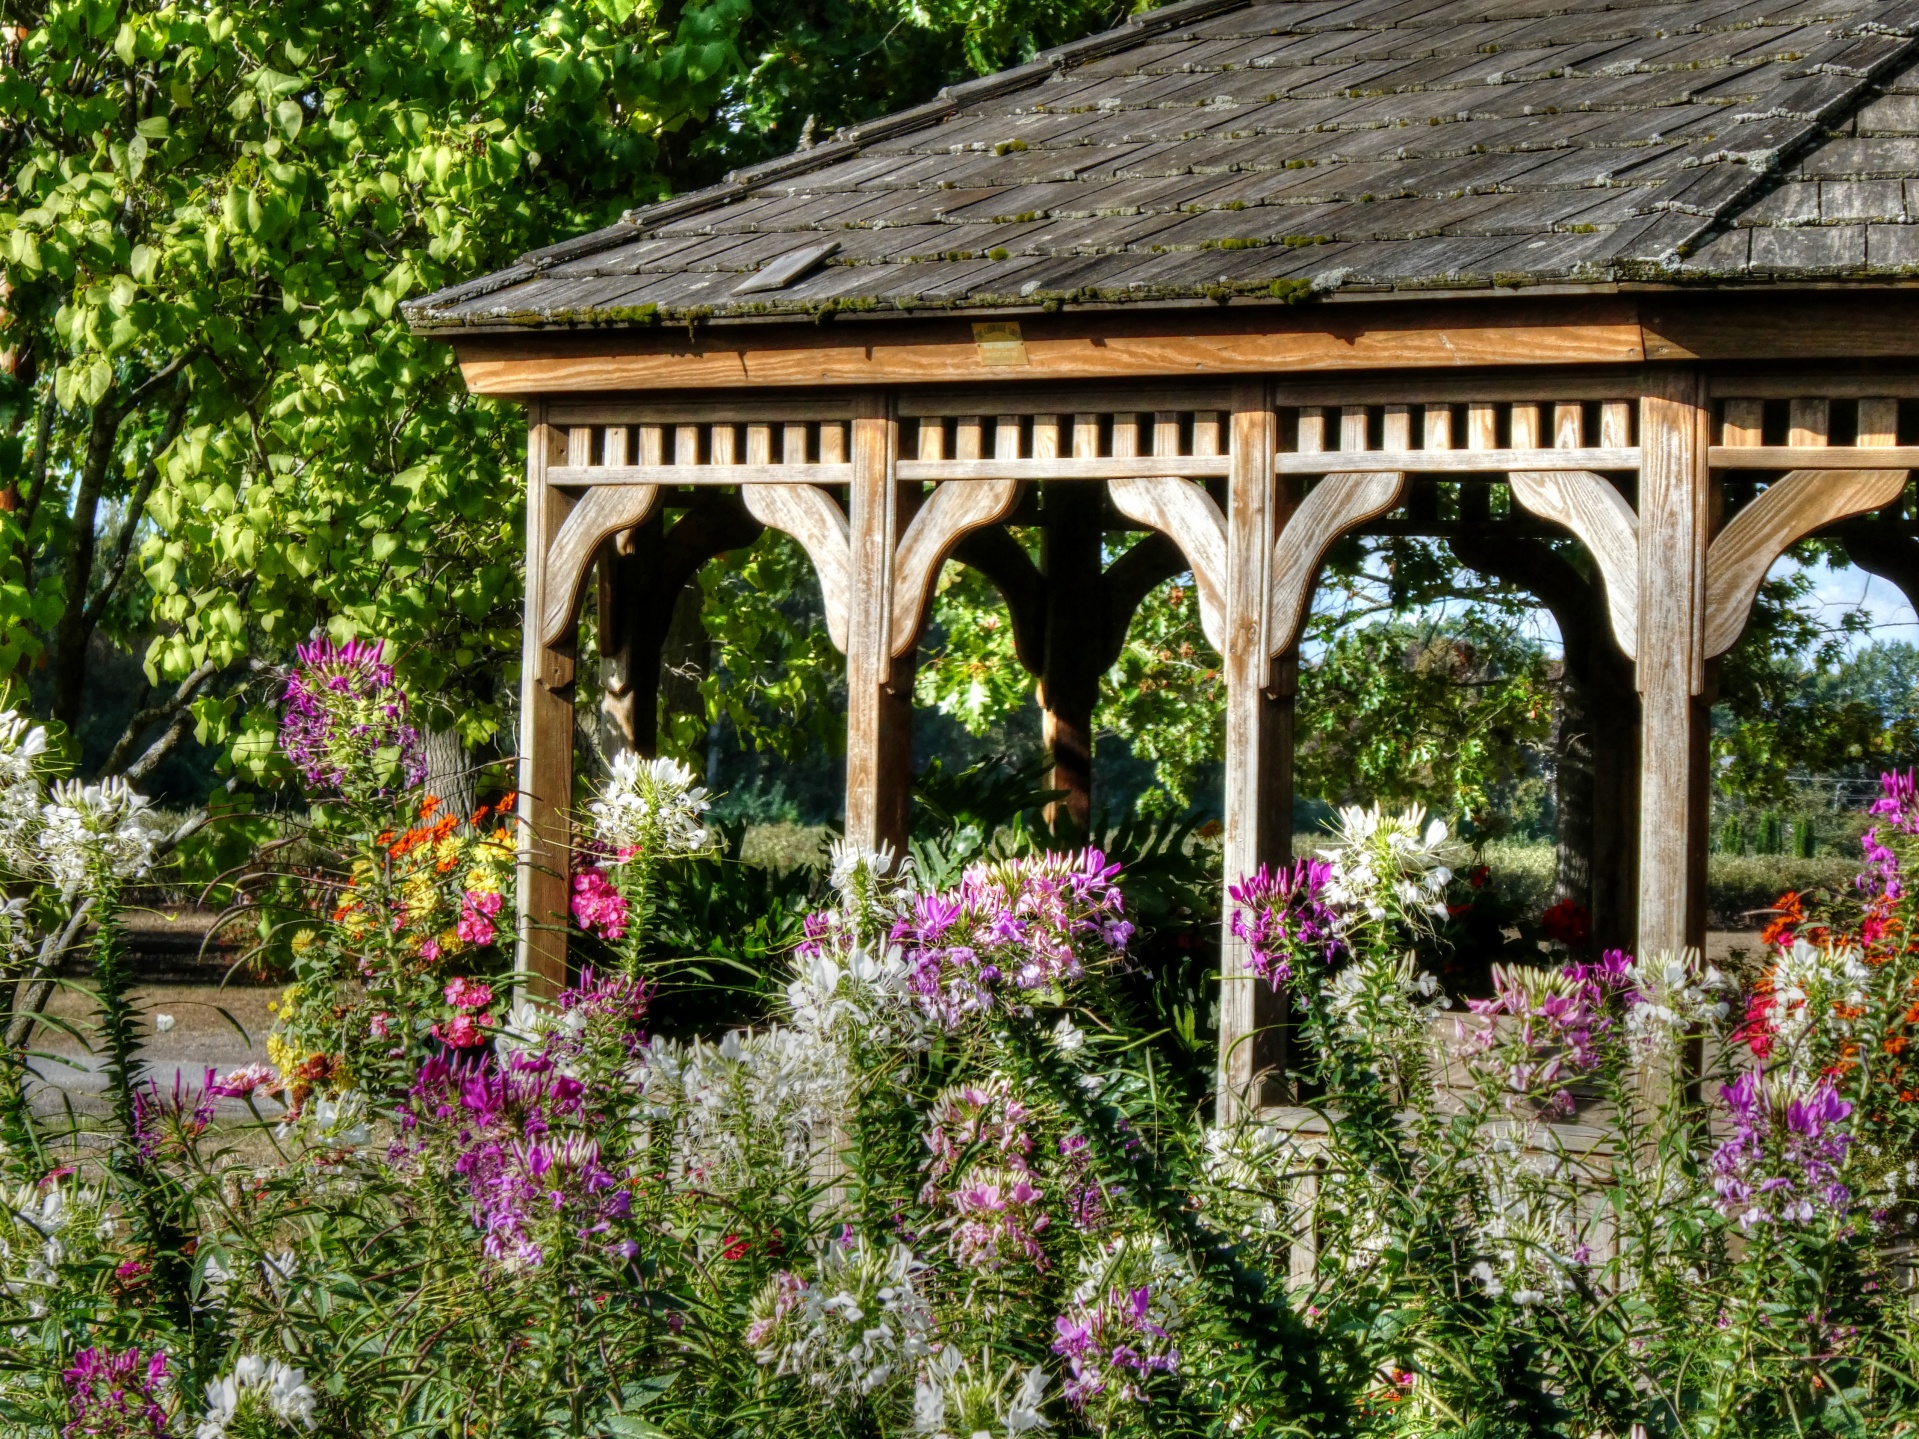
1793, 701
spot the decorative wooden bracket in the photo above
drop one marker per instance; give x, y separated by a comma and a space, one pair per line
949, 513
810, 516
1336, 504
1605, 524
1183, 511
602, 513
1789, 509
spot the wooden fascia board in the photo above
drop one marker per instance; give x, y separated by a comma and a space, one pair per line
1548, 332
1293, 340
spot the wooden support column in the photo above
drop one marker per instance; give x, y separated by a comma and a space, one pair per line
1259, 713
879, 688
546, 731
1675, 530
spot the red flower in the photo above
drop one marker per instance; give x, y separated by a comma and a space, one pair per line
734, 1247
1567, 923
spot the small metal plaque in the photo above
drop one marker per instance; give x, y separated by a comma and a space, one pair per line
1000, 343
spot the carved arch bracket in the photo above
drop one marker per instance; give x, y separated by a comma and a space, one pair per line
1789, 509
1186, 514
953, 509
1336, 504
602, 512
810, 516
1595, 511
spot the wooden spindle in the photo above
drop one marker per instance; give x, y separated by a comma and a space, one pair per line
1810, 423
1206, 433
759, 444
1396, 429
1569, 426
1878, 423
793, 446
1615, 424
1045, 437
832, 443
1165, 432
1086, 437
686, 444
969, 438
652, 449
1439, 427
724, 441
1745, 422
1525, 427
1312, 430
579, 445
1482, 425
1125, 436
1006, 438
613, 452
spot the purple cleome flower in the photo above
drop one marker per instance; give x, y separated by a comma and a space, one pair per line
1031, 923
1279, 914
1112, 1347
340, 705
1782, 1163
113, 1396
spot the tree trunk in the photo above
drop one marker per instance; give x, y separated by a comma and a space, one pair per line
448, 774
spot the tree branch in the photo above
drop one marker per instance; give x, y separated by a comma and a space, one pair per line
144, 719
136, 508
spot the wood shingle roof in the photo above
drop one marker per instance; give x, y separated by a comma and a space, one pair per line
1218, 149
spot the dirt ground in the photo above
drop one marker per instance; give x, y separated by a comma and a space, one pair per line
214, 1027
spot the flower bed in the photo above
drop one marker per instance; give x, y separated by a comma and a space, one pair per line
950, 1186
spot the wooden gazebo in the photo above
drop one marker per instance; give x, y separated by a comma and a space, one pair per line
1252, 277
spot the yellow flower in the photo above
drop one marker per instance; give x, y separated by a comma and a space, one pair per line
303, 941
284, 1056
482, 881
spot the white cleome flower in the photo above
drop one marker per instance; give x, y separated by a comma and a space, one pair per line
258, 1388
650, 808
1673, 995
1376, 856
95, 832
22, 743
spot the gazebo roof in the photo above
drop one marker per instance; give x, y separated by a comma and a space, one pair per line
1215, 150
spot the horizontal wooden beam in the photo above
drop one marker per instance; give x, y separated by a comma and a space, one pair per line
746, 409
574, 476
1109, 467
1801, 383
1441, 462
950, 401
1810, 457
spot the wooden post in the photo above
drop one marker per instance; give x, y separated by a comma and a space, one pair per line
1258, 800
546, 733
1675, 528
879, 689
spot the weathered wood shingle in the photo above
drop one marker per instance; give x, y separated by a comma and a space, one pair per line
1215, 149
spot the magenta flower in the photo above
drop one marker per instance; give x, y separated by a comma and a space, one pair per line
477, 910
1782, 1163
1031, 923
1112, 1347
463, 1031
341, 705
597, 905
114, 1396
468, 994
1280, 915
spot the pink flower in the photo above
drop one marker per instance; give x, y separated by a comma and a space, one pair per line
463, 1031
467, 994
377, 1026
597, 905
242, 1082
430, 951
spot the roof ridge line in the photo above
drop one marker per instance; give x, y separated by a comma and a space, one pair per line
848, 142
1816, 130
